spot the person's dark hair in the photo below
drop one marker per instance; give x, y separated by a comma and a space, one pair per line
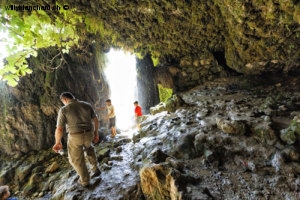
67, 95
3, 190
108, 100
136, 102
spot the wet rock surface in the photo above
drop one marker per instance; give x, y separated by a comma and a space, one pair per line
234, 138
46, 175
226, 143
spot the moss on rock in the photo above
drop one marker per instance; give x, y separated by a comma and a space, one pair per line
292, 133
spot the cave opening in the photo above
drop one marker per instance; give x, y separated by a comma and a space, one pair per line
221, 59
121, 75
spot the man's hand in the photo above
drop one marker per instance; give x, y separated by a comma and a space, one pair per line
57, 147
100, 108
96, 138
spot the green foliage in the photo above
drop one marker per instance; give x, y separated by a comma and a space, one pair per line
155, 61
17, 66
139, 55
32, 31
290, 134
164, 93
93, 25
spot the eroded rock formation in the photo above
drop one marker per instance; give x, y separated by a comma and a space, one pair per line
29, 110
232, 139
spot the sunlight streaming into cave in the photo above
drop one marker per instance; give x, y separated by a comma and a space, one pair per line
3, 44
3, 52
120, 72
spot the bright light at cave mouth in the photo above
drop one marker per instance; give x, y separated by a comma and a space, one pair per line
121, 74
3, 53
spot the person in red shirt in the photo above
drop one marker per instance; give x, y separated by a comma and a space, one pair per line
138, 114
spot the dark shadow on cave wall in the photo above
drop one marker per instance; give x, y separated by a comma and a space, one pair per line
147, 88
221, 59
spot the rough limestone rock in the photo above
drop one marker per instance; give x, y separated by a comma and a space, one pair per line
264, 133
231, 127
157, 182
233, 165
52, 168
170, 105
292, 133
158, 108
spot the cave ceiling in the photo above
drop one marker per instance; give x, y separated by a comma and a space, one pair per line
254, 36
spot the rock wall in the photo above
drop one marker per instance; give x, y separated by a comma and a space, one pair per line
195, 70
29, 111
188, 72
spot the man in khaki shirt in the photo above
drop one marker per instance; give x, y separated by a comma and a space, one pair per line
81, 124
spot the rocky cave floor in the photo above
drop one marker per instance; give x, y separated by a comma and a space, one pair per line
234, 138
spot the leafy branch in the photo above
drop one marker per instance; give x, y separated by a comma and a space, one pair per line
29, 32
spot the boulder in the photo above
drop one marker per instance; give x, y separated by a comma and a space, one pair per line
231, 127
292, 133
52, 168
158, 182
171, 105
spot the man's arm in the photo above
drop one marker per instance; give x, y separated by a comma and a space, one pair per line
96, 124
100, 108
59, 131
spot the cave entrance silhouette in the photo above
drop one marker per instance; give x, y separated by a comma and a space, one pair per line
120, 72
